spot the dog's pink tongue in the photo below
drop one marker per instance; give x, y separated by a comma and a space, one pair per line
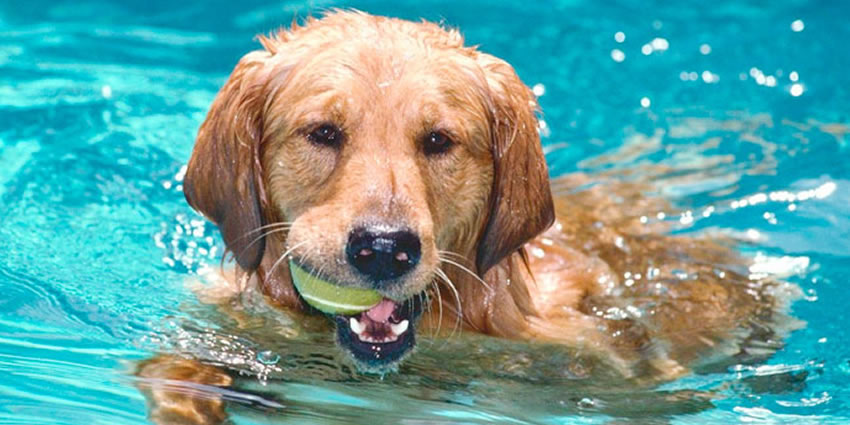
381, 312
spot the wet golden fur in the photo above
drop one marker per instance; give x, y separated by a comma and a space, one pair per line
486, 204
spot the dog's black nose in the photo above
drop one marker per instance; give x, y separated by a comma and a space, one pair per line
381, 255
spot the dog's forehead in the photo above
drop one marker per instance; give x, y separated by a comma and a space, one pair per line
340, 28
353, 79
385, 66
377, 52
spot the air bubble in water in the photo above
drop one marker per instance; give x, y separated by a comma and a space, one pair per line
268, 357
586, 403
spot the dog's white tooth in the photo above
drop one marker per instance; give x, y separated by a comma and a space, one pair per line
356, 326
400, 327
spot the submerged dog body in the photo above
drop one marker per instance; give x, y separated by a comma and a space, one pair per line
384, 154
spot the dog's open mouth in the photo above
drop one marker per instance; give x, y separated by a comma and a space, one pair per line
376, 331
380, 337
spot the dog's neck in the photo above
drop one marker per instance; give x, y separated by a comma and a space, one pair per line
497, 304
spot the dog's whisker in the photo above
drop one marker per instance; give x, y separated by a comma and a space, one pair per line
467, 270
425, 298
310, 257
435, 331
276, 227
270, 225
459, 310
280, 224
283, 257
321, 267
270, 232
439, 305
452, 253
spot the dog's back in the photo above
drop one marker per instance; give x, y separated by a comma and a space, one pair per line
662, 303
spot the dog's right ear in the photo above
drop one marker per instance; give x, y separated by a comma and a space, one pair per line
521, 201
222, 178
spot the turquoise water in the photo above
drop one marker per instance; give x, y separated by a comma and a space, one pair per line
736, 111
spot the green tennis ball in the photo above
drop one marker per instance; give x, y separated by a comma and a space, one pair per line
331, 298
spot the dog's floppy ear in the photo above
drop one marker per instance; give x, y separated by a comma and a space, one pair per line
521, 200
222, 178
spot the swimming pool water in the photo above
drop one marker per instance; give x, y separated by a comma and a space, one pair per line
736, 111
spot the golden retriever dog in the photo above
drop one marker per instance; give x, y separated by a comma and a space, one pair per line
387, 155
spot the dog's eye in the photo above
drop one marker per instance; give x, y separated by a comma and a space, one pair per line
326, 135
437, 142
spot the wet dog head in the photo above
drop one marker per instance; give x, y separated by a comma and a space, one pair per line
365, 150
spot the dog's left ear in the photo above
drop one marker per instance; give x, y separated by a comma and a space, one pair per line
223, 177
521, 200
